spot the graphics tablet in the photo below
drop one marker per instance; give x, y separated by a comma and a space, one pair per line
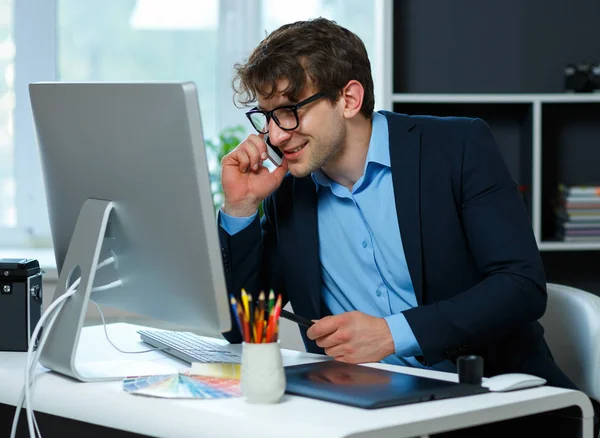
369, 388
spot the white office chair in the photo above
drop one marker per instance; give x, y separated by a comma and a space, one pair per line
572, 326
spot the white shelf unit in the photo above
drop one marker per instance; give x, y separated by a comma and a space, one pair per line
541, 130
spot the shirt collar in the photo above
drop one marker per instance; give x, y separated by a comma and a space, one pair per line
379, 149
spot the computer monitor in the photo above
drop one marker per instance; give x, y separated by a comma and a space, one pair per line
126, 175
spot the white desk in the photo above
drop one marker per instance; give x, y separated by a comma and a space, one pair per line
108, 405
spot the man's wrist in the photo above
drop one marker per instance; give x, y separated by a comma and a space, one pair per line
389, 346
239, 211
405, 343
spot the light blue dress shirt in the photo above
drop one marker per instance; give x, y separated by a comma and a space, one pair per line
360, 247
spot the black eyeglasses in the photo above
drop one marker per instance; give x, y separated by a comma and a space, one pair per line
285, 116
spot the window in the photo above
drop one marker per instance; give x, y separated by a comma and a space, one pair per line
356, 15
8, 209
137, 40
147, 40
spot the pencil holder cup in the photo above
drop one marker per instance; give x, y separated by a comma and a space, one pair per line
263, 377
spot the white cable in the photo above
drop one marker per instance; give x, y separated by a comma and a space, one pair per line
29, 364
112, 343
107, 261
45, 333
42, 342
40, 346
132, 352
99, 266
31, 361
108, 286
29, 371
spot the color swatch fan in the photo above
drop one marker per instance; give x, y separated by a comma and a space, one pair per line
217, 381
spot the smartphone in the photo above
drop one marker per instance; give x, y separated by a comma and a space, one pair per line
275, 155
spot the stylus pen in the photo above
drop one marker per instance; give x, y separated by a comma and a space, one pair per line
295, 318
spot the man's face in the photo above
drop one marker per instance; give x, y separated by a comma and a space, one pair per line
319, 136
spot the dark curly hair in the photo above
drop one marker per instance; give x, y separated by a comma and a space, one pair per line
316, 52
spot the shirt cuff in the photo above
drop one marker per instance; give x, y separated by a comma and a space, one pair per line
404, 339
233, 224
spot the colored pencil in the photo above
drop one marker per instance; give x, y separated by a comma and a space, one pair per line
251, 316
234, 307
261, 316
271, 301
242, 318
255, 330
277, 311
247, 326
245, 302
272, 324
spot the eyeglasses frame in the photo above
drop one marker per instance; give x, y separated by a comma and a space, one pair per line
294, 108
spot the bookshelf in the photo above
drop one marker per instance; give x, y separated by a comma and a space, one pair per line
545, 139
503, 61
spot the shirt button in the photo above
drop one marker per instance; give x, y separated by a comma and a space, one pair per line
378, 293
364, 244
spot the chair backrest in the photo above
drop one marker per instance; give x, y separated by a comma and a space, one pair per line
572, 327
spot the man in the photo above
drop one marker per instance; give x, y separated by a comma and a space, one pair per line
403, 237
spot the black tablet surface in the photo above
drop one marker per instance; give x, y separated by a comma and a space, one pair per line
367, 387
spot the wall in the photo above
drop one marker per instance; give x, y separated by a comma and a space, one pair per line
491, 46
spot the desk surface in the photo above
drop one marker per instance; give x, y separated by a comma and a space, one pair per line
108, 405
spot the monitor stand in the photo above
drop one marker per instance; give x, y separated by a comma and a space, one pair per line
60, 350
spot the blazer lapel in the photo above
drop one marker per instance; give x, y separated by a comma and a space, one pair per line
307, 239
405, 154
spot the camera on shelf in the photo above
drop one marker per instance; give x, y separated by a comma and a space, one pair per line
582, 78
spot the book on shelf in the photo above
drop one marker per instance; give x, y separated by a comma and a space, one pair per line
580, 225
583, 239
579, 191
577, 212
569, 216
582, 205
591, 234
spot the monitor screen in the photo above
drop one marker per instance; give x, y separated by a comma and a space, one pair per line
126, 176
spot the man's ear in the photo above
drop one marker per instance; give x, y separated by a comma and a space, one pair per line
352, 97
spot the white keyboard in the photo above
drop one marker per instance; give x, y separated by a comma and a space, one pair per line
188, 347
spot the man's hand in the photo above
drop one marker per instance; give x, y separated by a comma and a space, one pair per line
353, 337
245, 181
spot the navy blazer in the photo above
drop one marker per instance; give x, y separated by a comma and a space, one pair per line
472, 257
